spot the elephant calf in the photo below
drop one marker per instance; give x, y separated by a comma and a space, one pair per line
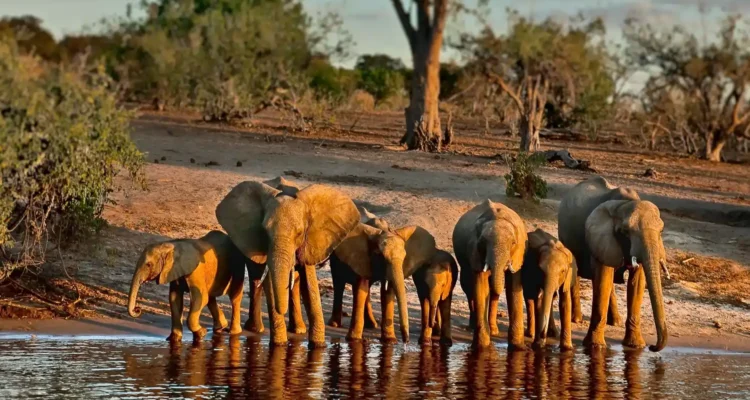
207, 267
435, 283
548, 267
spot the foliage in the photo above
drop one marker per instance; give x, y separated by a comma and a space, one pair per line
381, 83
329, 82
29, 35
383, 61
63, 139
523, 179
700, 87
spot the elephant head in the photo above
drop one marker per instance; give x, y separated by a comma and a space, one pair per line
284, 227
371, 219
162, 262
500, 237
439, 279
626, 232
557, 264
392, 255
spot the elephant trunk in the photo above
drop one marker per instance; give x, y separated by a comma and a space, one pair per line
397, 282
281, 262
434, 301
138, 278
497, 280
548, 293
651, 269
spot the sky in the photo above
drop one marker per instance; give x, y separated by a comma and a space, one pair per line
375, 28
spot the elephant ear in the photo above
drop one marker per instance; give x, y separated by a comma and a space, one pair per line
354, 250
331, 216
286, 186
419, 245
179, 258
241, 215
519, 250
600, 234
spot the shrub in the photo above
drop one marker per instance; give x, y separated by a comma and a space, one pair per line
63, 139
522, 179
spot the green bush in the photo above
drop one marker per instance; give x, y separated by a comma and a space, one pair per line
522, 180
381, 83
63, 139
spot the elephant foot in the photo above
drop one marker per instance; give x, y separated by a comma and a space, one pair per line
353, 338
518, 346
298, 329
236, 330
594, 341
425, 341
174, 337
446, 341
253, 327
388, 339
538, 344
634, 340
334, 323
527, 332
494, 331
222, 329
578, 319
316, 345
278, 343
199, 334
481, 341
566, 346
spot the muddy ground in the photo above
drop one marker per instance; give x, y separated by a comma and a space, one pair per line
192, 165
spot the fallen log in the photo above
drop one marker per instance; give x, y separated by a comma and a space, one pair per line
567, 159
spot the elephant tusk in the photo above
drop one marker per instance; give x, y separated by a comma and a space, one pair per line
262, 277
385, 286
291, 278
510, 267
486, 267
634, 262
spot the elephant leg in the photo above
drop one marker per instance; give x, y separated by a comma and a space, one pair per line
481, 297
370, 320
514, 293
438, 321
175, 304
530, 322
255, 321
446, 328
311, 293
426, 337
492, 314
540, 336
636, 286
296, 323
220, 322
565, 320
198, 301
387, 331
357, 323
276, 320
339, 285
603, 281
551, 327
576, 300
235, 295
613, 314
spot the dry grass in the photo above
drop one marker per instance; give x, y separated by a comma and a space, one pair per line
716, 279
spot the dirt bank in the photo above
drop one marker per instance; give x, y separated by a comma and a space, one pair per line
197, 165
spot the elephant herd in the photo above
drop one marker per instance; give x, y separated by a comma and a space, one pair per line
280, 234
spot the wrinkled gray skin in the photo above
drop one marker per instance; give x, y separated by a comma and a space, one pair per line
605, 227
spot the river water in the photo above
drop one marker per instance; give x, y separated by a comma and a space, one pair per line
107, 367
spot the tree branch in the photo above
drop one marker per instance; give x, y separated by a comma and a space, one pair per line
507, 89
439, 17
405, 21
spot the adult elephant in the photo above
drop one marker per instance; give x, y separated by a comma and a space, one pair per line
284, 228
389, 255
610, 229
490, 242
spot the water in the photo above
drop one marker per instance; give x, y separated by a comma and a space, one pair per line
51, 367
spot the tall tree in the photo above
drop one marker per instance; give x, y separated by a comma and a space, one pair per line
707, 83
425, 41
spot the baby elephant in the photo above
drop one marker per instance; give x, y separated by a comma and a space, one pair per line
207, 267
435, 282
548, 267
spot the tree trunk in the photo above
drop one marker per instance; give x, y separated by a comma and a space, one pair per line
714, 145
529, 135
425, 40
